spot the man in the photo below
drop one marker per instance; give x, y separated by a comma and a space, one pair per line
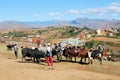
16, 50
49, 59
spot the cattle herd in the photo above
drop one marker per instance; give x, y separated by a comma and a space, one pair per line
64, 52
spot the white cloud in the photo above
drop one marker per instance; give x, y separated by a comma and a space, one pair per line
94, 10
114, 14
56, 14
114, 4
36, 15
73, 11
113, 8
100, 14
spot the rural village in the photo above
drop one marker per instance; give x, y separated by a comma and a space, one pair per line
59, 39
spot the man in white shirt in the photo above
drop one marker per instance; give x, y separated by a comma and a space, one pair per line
49, 59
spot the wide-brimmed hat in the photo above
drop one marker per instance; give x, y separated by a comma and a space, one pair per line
48, 44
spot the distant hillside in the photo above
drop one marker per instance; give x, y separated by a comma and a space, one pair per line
79, 22
96, 23
6, 25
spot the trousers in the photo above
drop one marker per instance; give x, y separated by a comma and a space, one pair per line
49, 61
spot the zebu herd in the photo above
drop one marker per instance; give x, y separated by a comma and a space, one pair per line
64, 52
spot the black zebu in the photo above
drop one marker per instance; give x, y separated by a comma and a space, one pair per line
34, 54
57, 52
10, 46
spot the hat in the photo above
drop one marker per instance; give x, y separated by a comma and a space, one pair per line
48, 44
99, 45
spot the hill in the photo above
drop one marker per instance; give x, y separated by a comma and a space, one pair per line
79, 22
96, 23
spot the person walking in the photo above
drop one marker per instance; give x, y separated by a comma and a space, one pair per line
16, 50
49, 59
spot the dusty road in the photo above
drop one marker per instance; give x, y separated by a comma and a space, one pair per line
14, 69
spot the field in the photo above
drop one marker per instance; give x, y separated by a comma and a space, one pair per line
14, 69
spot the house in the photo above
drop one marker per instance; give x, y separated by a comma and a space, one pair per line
99, 32
84, 34
102, 32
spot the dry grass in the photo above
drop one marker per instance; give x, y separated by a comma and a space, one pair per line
9, 54
105, 39
108, 67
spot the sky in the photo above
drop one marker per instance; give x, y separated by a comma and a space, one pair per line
46, 10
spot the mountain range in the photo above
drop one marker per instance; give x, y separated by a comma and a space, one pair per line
79, 22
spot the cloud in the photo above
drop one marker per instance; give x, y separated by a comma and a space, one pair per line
56, 14
94, 10
114, 4
73, 11
36, 15
113, 9
100, 14
114, 14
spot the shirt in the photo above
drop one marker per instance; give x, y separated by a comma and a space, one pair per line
50, 50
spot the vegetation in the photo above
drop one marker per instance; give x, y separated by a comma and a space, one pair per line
113, 44
93, 43
65, 32
71, 31
15, 34
41, 31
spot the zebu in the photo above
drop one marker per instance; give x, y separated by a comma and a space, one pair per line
10, 46
69, 53
32, 53
57, 52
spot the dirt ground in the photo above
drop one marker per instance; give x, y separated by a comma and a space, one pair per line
14, 69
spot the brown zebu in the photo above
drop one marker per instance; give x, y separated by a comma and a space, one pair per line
106, 54
83, 53
70, 52
91, 54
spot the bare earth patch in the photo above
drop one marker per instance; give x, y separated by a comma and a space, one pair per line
14, 69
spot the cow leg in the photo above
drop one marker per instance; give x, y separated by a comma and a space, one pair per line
66, 58
58, 57
89, 60
61, 56
33, 59
81, 60
23, 59
85, 60
70, 58
37, 60
100, 58
75, 58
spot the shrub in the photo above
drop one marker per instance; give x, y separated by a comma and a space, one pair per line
110, 43
93, 43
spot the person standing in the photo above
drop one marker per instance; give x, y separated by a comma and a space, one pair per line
49, 59
16, 50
